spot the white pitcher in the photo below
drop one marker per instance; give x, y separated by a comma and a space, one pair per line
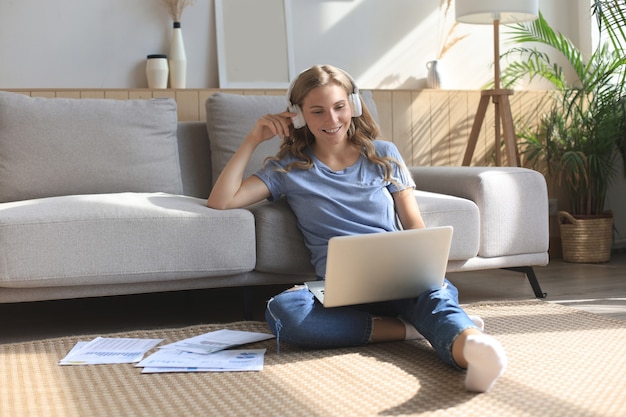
433, 80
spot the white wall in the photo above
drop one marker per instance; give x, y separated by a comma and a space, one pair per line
97, 43
103, 43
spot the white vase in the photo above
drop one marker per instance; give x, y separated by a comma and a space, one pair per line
177, 59
433, 80
157, 71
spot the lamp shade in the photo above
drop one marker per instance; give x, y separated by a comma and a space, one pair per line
484, 12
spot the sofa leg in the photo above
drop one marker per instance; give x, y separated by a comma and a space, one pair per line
532, 279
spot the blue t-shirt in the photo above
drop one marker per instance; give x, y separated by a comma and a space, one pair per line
331, 203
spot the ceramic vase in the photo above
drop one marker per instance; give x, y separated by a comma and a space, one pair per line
157, 71
433, 79
177, 59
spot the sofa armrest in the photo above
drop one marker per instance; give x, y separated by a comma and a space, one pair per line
513, 204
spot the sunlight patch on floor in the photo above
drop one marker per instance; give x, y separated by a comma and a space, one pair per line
612, 307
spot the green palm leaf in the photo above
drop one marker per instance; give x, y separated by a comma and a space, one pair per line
586, 127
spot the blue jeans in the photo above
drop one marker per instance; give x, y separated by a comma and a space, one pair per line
296, 317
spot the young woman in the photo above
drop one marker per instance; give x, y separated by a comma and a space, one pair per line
339, 179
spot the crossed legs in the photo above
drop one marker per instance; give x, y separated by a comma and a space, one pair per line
297, 318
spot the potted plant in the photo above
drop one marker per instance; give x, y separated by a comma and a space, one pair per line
579, 140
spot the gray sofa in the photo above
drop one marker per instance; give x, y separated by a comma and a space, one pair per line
108, 197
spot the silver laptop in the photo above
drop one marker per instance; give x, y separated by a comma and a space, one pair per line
383, 266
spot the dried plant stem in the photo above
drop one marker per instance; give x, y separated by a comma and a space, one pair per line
447, 4
175, 7
451, 41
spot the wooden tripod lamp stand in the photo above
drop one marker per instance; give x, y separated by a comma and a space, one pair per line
495, 12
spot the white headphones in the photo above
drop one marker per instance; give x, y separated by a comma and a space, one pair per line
354, 99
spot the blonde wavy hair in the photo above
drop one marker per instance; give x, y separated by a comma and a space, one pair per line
362, 132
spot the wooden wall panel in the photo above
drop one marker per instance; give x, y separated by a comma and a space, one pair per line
117, 94
439, 128
402, 124
418, 137
384, 108
430, 127
461, 119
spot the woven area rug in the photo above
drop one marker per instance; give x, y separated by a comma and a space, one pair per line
562, 362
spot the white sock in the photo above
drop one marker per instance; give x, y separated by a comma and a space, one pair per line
487, 361
411, 333
479, 322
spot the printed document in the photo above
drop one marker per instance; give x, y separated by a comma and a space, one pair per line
168, 360
103, 350
203, 353
217, 340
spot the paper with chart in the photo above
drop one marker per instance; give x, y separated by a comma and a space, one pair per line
203, 353
103, 350
170, 360
217, 340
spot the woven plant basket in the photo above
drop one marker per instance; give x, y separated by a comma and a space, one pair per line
586, 239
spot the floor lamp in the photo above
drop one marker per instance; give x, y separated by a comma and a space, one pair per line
495, 12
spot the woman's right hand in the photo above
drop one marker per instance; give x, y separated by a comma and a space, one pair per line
271, 125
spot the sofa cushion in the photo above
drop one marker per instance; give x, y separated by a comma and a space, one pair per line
120, 238
281, 249
280, 244
462, 214
55, 147
230, 117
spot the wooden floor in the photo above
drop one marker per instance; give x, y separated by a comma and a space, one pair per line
599, 288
